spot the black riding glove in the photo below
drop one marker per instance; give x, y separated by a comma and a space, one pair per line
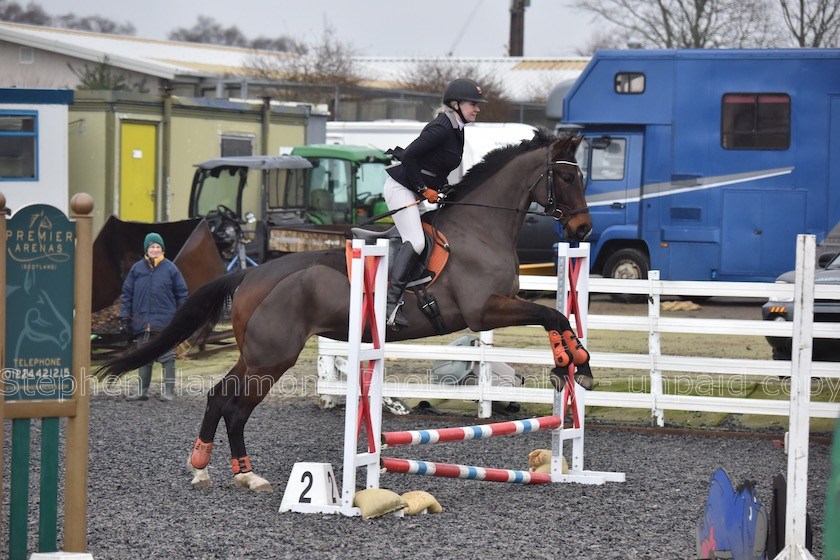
125, 325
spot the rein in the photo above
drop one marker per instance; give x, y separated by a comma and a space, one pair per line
560, 212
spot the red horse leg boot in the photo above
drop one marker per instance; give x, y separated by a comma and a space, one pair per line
241, 465
201, 454
575, 348
562, 356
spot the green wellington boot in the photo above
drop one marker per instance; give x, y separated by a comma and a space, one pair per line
145, 374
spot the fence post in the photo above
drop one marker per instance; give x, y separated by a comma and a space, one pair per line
76, 470
800, 395
654, 345
327, 371
485, 376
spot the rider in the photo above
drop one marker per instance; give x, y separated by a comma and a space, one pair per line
422, 171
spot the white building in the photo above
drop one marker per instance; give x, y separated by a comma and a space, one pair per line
33, 147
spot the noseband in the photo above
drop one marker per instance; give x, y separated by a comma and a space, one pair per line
560, 212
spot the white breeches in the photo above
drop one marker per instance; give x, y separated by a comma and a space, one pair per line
407, 220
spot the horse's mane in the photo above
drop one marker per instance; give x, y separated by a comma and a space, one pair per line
494, 160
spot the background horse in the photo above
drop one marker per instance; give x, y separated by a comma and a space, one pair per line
279, 305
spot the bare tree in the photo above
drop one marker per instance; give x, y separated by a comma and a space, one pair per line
96, 24
689, 23
208, 30
812, 23
103, 76
613, 38
34, 14
281, 44
432, 76
309, 73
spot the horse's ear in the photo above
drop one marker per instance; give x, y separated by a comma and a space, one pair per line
566, 147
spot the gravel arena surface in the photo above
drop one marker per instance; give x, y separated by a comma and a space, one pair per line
142, 504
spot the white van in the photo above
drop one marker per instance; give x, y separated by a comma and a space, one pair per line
538, 236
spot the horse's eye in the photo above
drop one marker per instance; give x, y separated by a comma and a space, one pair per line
567, 177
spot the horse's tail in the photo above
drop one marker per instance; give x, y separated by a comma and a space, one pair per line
201, 308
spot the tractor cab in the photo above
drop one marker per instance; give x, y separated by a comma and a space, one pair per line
303, 201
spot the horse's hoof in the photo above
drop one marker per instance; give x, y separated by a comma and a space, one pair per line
584, 381
584, 376
201, 477
558, 381
252, 482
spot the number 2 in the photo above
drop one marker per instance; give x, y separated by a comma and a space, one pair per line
308, 478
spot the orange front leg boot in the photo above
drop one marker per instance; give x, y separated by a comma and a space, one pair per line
562, 356
575, 348
201, 454
240, 465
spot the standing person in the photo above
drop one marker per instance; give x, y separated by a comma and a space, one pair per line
152, 291
422, 171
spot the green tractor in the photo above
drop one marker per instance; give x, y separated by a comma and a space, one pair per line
305, 201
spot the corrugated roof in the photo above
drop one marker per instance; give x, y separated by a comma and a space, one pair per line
523, 79
164, 59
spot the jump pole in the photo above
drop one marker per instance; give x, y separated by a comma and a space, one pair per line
573, 289
312, 487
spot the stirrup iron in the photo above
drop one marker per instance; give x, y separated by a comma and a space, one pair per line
391, 320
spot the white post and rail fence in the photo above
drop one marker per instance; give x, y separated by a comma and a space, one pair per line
652, 397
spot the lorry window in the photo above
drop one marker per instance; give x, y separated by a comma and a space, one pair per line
608, 159
755, 121
582, 157
629, 82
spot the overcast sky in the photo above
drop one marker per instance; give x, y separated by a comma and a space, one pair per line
369, 27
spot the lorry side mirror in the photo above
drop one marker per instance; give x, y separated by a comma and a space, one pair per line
601, 143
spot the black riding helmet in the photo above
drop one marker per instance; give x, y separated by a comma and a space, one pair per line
463, 89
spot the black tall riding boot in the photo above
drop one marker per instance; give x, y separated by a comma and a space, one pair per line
400, 272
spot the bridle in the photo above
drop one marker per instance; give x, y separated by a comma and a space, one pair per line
560, 212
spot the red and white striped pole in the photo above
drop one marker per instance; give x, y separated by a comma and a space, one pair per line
482, 431
448, 470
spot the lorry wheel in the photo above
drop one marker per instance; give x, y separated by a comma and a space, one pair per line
630, 264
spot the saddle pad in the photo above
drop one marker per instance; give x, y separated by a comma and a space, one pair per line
437, 259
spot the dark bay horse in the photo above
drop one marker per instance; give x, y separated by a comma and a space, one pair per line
278, 305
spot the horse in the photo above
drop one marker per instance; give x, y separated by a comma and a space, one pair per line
278, 305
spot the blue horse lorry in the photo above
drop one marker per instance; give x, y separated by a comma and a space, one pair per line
706, 164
